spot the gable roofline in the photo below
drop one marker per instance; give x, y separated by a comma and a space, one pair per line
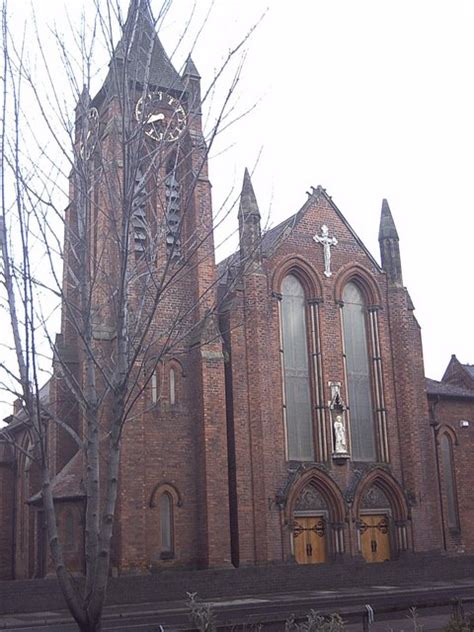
466, 369
273, 238
321, 191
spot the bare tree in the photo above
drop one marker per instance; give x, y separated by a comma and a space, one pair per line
135, 159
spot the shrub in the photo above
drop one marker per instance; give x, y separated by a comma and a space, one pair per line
316, 622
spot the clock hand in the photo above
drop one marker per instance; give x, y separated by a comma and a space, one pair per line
155, 117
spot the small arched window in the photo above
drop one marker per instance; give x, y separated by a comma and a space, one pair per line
172, 387
296, 372
166, 524
449, 481
154, 386
356, 355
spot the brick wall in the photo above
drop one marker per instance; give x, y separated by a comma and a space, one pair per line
447, 414
252, 319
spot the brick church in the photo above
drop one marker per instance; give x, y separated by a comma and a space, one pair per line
293, 425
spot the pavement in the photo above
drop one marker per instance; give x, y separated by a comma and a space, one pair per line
434, 606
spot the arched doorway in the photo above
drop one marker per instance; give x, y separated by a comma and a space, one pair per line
316, 517
310, 525
382, 516
374, 525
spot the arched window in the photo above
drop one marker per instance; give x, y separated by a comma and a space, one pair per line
296, 372
357, 366
449, 481
172, 387
166, 524
154, 386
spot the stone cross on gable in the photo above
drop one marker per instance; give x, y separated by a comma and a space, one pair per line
327, 242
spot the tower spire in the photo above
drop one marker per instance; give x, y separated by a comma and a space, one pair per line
249, 225
140, 48
192, 82
389, 246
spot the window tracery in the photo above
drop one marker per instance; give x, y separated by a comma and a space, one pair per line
446, 448
296, 371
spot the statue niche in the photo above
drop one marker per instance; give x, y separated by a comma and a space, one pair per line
338, 423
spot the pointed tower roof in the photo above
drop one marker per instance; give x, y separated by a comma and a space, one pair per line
141, 48
84, 99
387, 225
190, 69
248, 201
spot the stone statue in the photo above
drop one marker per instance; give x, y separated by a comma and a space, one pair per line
340, 440
327, 242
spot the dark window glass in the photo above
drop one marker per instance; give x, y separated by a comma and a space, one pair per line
154, 386
450, 486
296, 371
358, 375
166, 523
172, 387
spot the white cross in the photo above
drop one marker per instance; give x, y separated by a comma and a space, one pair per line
327, 242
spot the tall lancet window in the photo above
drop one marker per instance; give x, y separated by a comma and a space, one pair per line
173, 210
139, 223
449, 481
166, 524
358, 374
296, 373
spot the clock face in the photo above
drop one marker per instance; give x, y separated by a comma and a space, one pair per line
91, 134
163, 117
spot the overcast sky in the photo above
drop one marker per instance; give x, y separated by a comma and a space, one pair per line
370, 99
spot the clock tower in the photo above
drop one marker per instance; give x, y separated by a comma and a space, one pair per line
141, 194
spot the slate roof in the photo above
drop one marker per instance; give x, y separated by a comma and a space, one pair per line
445, 389
270, 240
17, 420
147, 61
470, 369
69, 483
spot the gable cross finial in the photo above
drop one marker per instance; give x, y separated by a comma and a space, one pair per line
326, 242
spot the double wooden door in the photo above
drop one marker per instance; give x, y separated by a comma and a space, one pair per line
309, 537
375, 537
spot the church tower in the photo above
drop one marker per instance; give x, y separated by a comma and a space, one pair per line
139, 239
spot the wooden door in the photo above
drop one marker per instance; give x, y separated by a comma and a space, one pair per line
309, 537
375, 537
